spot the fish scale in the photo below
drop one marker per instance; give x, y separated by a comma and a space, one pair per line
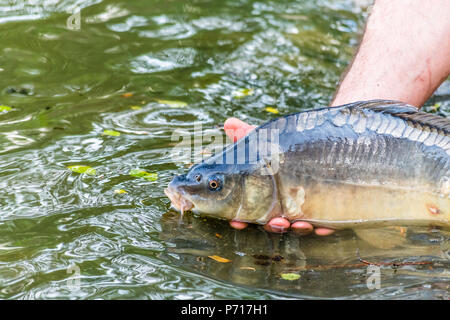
382, 121
375, 162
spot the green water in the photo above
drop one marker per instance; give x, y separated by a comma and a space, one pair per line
67, 235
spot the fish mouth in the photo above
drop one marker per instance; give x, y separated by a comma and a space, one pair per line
178, 202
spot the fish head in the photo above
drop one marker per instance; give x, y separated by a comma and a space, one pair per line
209, 189
230, 192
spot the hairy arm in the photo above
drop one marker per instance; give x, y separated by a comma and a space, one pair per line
404, 54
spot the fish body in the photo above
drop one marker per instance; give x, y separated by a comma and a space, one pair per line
369, 163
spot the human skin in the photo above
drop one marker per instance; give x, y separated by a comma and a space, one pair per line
404, 55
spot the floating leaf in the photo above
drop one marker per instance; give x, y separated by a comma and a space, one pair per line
151, 176
5, 108
82, 169
120, 191
219, 259
138, 173
290, 276
111, 133
127, 95
143, 174
173, 103
136, 107
272, 110
241, 93
436, 107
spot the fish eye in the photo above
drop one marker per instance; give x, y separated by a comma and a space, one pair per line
214, 184
198, 177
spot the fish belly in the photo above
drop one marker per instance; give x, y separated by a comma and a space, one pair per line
344, 206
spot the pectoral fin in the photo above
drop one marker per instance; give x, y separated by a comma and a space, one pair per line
293, 199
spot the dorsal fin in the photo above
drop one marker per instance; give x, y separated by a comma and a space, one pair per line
404, 111
385, 106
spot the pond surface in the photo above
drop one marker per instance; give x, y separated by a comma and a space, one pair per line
145, 69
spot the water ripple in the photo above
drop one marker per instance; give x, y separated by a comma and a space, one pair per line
67, 87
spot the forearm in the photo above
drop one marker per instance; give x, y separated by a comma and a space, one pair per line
404, 54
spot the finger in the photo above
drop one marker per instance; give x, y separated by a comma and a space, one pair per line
277, 225
237, 129
324, 231
302, 227
238, 225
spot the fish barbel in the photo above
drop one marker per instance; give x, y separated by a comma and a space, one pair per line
368, 163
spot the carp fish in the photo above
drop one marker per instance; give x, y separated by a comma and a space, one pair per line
370, 163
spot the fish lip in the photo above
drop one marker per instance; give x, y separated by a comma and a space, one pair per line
178, 200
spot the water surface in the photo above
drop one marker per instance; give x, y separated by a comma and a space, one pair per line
66, 86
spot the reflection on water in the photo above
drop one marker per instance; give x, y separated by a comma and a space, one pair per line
335, 266
63, 88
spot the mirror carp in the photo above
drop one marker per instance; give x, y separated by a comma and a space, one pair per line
368, 163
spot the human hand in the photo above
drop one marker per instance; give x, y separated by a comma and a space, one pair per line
237, 129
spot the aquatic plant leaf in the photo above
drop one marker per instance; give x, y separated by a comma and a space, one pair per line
290, 276
173, 103
5, 108
241, 93
143, 174
137, 173
151, 176
272, 110
82, 169
219, 259
111, 133
120, 191
136, 107
436, 107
